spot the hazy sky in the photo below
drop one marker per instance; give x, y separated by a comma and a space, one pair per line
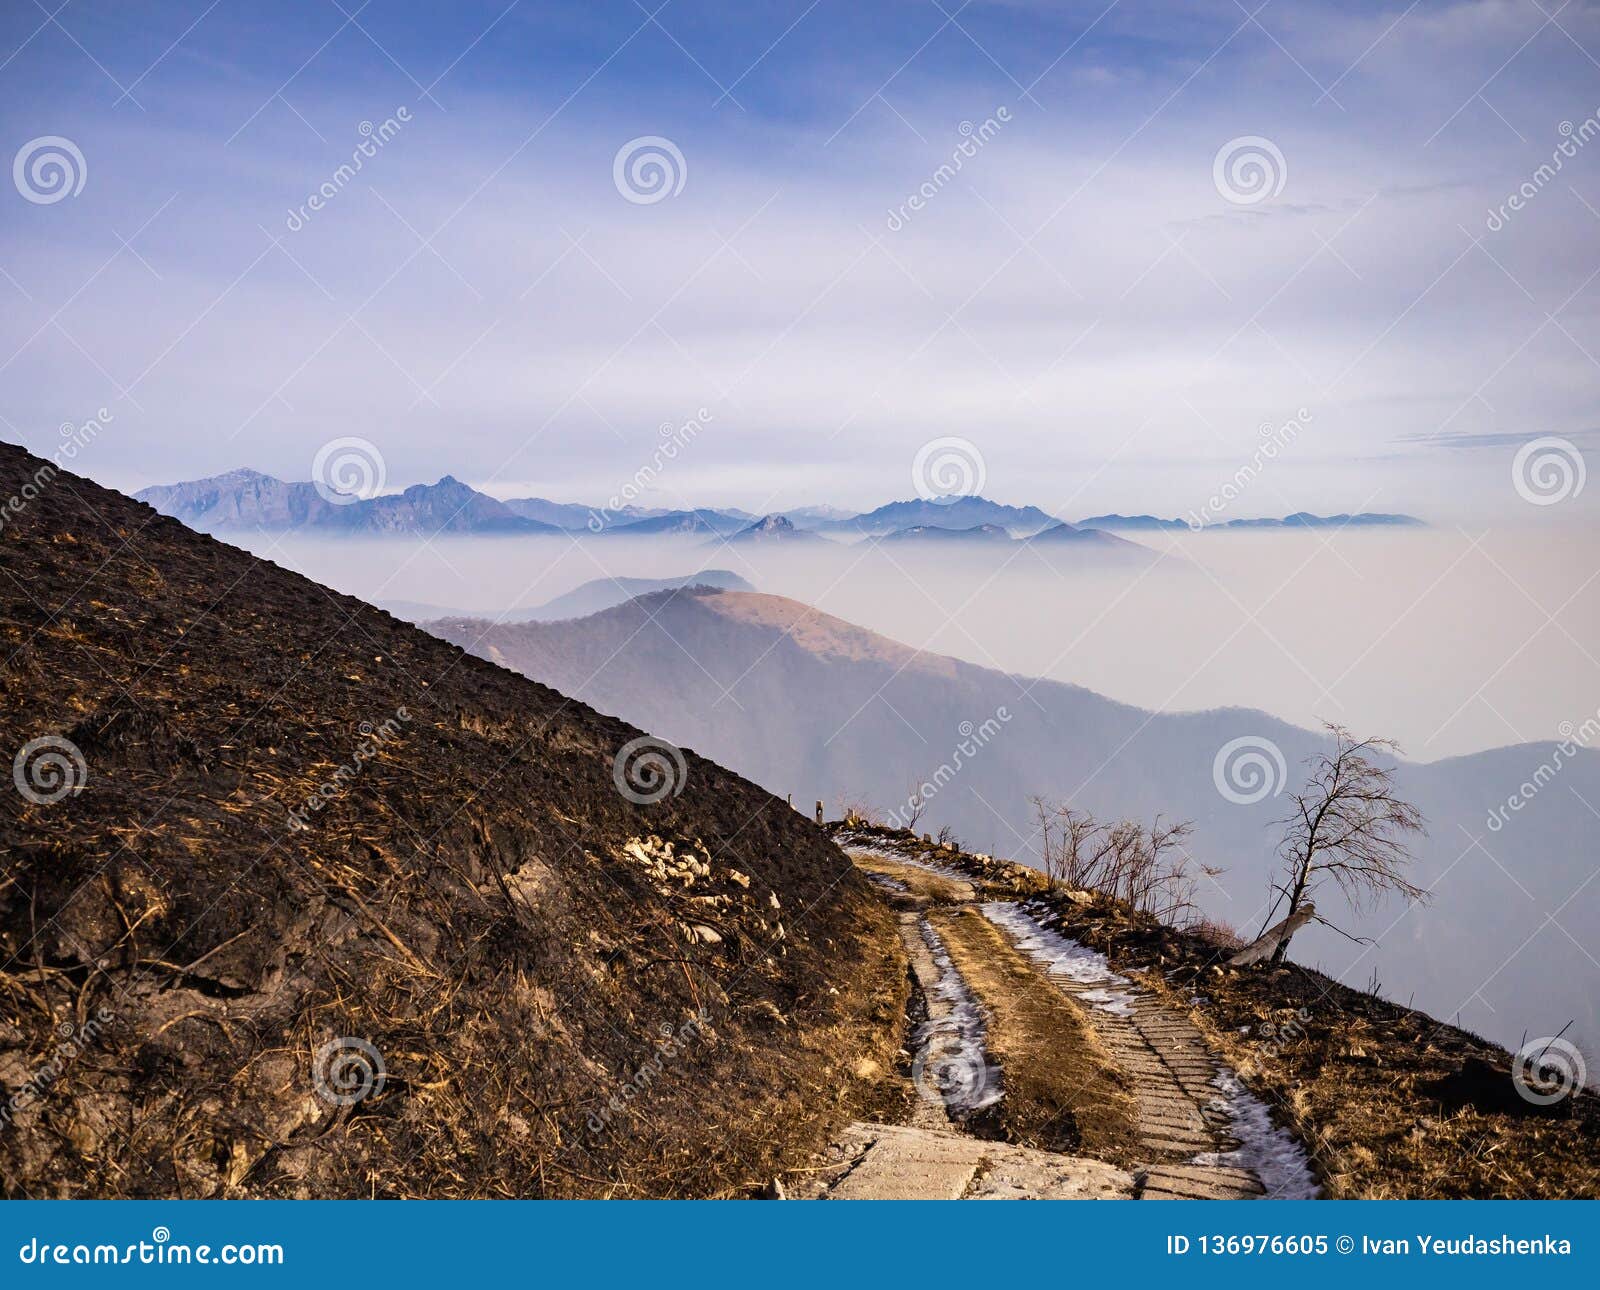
1091, 297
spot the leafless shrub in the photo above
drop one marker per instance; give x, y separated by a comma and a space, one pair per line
855, 808
1146, 866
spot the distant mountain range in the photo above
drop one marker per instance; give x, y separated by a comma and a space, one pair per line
702, 522
991, 537
1299, 520
249, 500
772, 529
589, 598
945, 513
806, 703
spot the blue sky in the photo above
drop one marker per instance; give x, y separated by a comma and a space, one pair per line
1080, 299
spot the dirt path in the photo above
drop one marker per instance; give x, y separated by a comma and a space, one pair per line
1032, 1038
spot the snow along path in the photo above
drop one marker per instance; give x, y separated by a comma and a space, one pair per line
1207, 1135
950, 1064
931, 1158
1202, 1133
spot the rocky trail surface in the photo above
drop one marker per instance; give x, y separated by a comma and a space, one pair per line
1025, 1036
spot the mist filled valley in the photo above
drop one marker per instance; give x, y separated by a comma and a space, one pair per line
1307, 626
858, 675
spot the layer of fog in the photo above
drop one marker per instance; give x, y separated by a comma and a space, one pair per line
1448, 641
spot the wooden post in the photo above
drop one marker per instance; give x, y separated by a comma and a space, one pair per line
819, 812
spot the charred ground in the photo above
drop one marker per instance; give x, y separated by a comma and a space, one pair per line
561, 1006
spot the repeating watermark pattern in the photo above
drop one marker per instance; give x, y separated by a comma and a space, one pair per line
73, 1041
973, 138
973, 741
373, 139
674, 439
671, 1044
647, 770
1249, 769
49, 768
1573, 139
48, 169
1573, 738
649, 169
348, 470
1273, 441
74, 438
336, 785
1548, 1070
1548, 471
348, 1070
1249, 170
948, 469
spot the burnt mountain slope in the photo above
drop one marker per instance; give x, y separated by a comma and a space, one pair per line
299, 900
806, 703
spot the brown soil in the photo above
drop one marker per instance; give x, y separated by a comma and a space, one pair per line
1389, 1102
1062, 1090
475, 900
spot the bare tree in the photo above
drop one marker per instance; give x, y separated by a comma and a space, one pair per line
915, 805
1348, 825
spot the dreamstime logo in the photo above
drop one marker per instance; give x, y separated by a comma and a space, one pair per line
348, 1070
373, 137
973, 740
1548, 471
950, 1069
946, 470
1572, 139
649, 169
1249, 170
72, 1042
49, 168
973, 137
74, 438
1573, 738
348, 470
373, 740
646, 770
1249, 770
673, 1041
1280, 1034
1548, 1070
674, 439
1273, 441
49, 768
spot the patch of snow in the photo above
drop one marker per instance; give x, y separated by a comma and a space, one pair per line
1267, 1151
886, 882
1062, 956
950, 1063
